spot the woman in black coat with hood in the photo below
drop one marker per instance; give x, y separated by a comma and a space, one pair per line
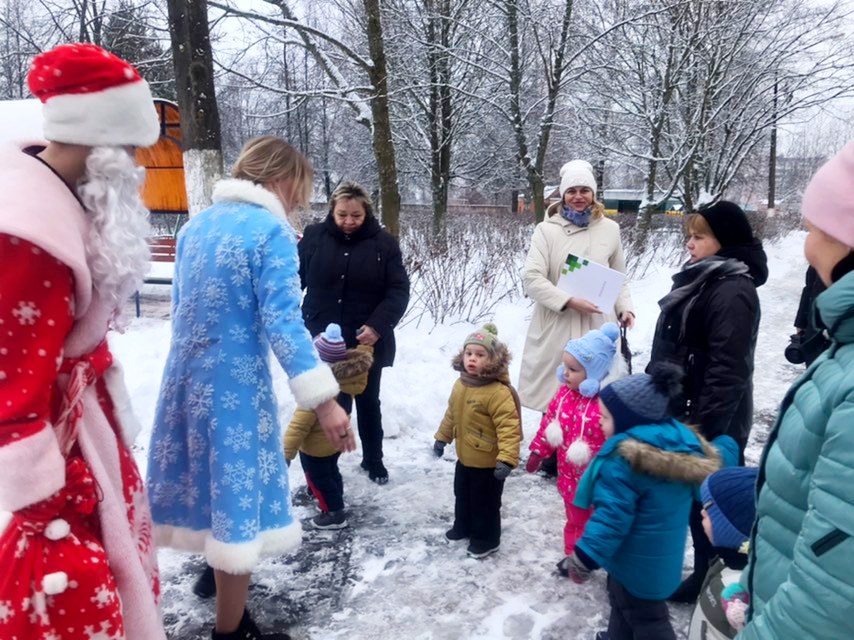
353, 274
708, 325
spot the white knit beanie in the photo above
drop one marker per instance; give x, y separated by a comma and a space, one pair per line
576, 173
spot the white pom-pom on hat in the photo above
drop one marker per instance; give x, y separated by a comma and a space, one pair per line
54, 583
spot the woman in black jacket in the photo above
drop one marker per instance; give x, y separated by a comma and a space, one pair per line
708, 325
353, 274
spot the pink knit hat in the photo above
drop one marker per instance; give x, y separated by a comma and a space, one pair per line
827, 200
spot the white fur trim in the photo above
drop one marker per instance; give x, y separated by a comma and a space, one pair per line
554, 434
54, 583
57, 529
234, 190
5, 519
114, 379
314, 387
115, 117
579, 453
234, 558
31, 469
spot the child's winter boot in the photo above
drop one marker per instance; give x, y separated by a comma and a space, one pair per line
330, 520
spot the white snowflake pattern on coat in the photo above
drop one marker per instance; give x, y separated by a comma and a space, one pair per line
236, 296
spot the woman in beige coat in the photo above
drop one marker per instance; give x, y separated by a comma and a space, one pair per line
575, 225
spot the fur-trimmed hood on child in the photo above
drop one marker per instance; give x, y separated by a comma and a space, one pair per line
641, 485
483, 414
496, 369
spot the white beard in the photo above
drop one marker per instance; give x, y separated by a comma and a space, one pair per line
117, 248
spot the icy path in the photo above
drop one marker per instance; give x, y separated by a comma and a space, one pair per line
391, 575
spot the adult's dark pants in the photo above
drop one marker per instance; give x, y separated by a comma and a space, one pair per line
477, 505
634, 618
704, 552
369, 416
324, 480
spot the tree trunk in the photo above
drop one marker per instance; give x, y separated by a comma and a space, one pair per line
440, 112
382, 141
325, 143
554, 73
772, 161
200, 126
512, 11
537, 186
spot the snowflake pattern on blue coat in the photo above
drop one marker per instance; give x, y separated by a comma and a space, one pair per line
215, 460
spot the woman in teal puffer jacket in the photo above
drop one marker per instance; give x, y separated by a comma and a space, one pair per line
801, 571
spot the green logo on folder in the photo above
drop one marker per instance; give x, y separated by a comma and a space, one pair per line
573, 263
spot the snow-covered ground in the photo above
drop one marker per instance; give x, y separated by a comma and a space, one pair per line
392, 575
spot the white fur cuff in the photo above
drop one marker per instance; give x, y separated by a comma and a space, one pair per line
314, 387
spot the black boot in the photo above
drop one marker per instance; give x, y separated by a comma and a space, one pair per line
248, 631
205, 585
376, 471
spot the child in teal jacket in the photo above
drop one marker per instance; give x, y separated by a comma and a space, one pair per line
640, 485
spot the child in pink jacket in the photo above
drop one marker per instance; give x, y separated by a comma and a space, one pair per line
571, 423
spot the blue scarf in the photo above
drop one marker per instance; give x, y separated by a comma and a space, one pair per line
578, 218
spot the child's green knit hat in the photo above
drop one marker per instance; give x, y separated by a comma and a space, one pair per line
486, 337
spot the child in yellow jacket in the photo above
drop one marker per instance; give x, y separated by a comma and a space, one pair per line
483, 416
318, 456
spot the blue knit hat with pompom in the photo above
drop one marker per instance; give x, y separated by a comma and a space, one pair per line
330, 344
595, 352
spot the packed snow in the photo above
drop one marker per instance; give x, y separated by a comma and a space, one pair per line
392, 574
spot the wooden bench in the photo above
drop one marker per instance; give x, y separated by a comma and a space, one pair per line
162, 250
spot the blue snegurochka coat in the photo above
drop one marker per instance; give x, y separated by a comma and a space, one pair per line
216, 472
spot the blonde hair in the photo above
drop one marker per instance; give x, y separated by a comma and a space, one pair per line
696, 223
267, 158
597, 209
352, 191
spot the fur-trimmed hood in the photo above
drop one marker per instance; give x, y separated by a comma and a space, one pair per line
644, 456
496, 369
358, 361
236, 190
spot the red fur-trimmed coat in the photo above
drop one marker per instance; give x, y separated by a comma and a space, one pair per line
76, 547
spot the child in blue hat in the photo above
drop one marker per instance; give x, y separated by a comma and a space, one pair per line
570, 426
729, 509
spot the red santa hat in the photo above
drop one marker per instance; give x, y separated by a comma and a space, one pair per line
93, 98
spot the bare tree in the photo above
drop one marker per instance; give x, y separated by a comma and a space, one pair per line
367, 93
703, 84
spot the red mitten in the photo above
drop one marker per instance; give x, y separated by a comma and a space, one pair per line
533, 464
